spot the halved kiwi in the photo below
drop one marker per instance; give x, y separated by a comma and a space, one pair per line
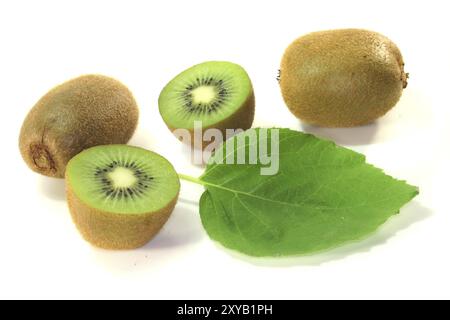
120, 196
217, 93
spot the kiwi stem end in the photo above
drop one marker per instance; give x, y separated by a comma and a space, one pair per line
42, 158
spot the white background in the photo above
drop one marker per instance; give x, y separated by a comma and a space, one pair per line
146, 43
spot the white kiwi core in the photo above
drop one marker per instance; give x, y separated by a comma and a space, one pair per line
122, 177
204, 94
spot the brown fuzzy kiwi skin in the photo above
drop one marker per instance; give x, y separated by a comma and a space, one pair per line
241, 119
342, 78
87, 111
113, 231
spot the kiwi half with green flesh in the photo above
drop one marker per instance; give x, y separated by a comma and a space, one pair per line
342, 78
120, 196
217, 93
81, 113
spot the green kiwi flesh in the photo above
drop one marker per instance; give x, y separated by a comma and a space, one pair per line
342, 78
120, 196
81, 113
217, 93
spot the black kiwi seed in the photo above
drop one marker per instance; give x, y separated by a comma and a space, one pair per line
201, 108
106, 183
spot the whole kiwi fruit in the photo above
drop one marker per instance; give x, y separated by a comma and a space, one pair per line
342, 78
84, 112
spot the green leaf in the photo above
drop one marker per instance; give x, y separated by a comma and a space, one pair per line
323, 196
